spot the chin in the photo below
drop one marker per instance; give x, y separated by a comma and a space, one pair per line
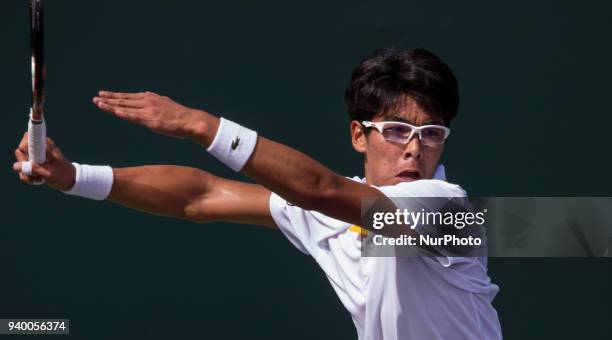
398, 180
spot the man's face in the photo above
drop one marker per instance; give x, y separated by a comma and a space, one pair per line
388, 163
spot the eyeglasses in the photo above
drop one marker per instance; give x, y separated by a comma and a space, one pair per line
399, 132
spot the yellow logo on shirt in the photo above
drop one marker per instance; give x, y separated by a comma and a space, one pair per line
359, 230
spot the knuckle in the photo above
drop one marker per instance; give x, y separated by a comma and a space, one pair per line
56, 155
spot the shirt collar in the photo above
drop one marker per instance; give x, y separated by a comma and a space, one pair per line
439, 174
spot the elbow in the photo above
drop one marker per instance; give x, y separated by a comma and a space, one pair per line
195, 208
195, 212
196, 217
322, 195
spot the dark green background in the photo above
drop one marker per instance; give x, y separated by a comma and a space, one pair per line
534, 121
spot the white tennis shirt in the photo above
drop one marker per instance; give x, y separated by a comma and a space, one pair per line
397, 298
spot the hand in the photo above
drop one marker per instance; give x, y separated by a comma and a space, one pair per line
57, 171
160, 114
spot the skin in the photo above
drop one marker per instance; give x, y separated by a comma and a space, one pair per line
183, 192
385, 161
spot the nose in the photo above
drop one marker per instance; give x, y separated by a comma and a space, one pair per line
413, 148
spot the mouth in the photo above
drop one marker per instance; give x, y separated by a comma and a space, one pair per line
409, 175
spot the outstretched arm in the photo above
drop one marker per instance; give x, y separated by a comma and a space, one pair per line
281, 169
190, 193
167, 190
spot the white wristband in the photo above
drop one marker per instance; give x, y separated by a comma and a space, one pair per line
92, 181
233, 144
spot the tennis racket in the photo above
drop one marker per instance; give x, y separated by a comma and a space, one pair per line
37, 130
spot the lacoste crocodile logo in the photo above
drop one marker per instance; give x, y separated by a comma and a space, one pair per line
235, 143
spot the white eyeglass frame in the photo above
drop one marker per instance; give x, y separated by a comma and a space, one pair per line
380, 126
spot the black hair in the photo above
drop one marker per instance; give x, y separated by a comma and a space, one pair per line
380, 82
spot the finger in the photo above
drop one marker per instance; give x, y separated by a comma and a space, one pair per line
50, 143
18, 167
20, 155
50, 148
39, 172
26, 179
110, 108
23, 177
23, 145
48, 156
133, 103
25, 168
121, 95
55, 154
31, 171
133, 115
105, 107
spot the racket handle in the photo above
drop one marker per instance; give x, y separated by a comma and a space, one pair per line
37, 142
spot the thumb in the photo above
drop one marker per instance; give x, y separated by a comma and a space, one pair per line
18, 166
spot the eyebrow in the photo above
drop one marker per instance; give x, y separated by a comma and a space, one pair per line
400, 119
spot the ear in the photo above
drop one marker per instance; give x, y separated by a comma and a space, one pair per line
358, 137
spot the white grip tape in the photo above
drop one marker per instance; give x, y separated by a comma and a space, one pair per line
233, 144
92, 181
26, 168
37, 143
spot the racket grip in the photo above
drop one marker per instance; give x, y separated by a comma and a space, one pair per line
37, 142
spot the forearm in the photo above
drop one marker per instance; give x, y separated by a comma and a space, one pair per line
290, 173
160, 189
282, 169
307, 183
189, 193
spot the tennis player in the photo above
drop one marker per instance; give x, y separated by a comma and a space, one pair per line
400, 103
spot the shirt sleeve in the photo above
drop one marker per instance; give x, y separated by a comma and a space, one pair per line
307, 230
429, 194
421, 193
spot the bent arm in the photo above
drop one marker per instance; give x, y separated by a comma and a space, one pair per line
307, 183
189, 193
